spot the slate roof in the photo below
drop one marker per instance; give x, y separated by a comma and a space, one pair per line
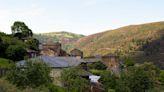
56, 62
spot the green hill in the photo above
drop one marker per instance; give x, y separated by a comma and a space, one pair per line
144, 42
66, 38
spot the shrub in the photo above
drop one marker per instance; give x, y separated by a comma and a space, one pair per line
156, 89
96, 72
32, 74
72, 80
5, 86
54, 88
107, 78
15, 52
4, 63
140, 78
111, 90
98, 65
121, 86
161, 76
129, 62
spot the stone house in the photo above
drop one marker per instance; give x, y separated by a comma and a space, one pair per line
112, 62
32, 53
56, 64
52, 50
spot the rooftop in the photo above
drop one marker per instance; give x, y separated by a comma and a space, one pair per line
56, 62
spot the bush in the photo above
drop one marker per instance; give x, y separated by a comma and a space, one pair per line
140, 78
15, 52
72, 81
54, 88
32, 43
38, 89
161, 76
98, 65
111, 90
137, 78
96, 72
5, 86
107, 78
121, 86
32, 74
156, 89
129, 62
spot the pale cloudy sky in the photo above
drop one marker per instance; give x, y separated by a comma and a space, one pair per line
78, 16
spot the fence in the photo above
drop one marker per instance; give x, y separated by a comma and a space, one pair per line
3, 71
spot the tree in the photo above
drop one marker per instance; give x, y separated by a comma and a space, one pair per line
1, 48
3, 45
32, 74
21, 30
108, 80
5, 86
74, 82
32, 43
6, 41
140, 78
121, 86
98, 65
129, 62
15, 52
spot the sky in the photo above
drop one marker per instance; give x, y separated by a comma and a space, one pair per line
78, 16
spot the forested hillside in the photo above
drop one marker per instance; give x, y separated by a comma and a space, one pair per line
143, 42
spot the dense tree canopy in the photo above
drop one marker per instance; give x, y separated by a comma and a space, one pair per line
138, 78
15, 52
15, 46
11, 47
21, 30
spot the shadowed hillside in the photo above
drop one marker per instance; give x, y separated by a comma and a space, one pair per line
143, 42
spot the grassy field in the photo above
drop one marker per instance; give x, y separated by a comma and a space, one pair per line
4, 62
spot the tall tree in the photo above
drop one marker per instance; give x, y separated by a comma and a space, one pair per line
21, 30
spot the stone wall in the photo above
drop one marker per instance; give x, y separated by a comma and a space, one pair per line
51, 49
112, 63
